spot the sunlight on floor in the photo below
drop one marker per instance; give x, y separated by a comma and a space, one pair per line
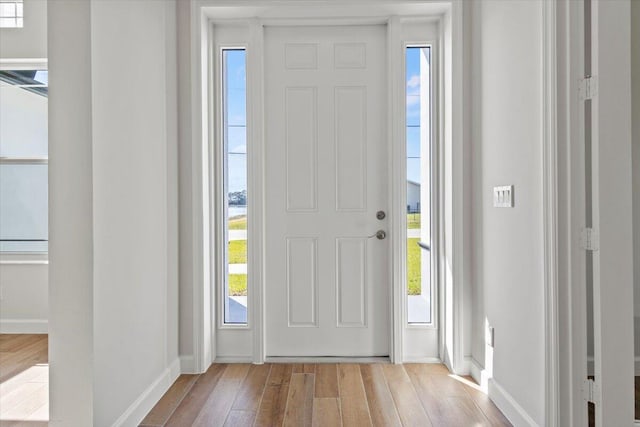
465, 381
24, 398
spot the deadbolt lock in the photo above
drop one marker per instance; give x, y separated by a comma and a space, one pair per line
381, 215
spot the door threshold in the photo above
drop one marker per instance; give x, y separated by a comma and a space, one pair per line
327, 359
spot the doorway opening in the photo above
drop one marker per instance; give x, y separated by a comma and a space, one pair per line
362, 181
24, 234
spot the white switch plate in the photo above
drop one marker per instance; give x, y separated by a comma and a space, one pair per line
503, 196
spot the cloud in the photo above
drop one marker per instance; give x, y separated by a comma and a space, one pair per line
413, 85
414, 81
413, 100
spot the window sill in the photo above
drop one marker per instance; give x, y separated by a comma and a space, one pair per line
24, 258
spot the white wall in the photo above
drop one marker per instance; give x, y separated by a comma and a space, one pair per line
507, 149
130, 235
24, 297
635, 120
185, 184
131, 113
23, 287
29, 41
70, 216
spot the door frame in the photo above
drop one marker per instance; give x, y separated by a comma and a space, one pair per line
610, 166
201, 15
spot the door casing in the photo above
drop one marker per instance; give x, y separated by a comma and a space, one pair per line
254, 15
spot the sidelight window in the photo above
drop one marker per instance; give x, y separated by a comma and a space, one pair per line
418, 209
234, 128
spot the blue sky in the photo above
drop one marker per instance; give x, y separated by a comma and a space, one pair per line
236, 117
235, 67
413, 112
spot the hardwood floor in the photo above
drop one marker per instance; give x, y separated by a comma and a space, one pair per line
24, 381
324, 395
269, 395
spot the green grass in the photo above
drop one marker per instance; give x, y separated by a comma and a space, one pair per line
238, 255
238, 285
413, 267
238, 252
413, 220
238, 223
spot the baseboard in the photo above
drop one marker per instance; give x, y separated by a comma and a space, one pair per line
147, 400
466, 366
233, 359
508, 405
479, 374
187, 365
419, 359
444, 356
327, 359
24, 326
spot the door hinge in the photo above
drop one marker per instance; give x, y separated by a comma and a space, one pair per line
591, 391
590, 239
588, 87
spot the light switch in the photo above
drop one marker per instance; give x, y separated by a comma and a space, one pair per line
503, 196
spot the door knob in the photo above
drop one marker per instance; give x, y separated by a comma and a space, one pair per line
380, 235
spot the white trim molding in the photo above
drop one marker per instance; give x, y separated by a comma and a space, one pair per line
233, 359
550, 211
459, 202
198, 149
24, 326
384, 360
257, 179
509, 406
149, 397
14, 258
187, 366
479, 374
203, 310
23, 63
397, 156
419, 359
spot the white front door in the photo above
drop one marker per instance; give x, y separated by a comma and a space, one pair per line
328, 286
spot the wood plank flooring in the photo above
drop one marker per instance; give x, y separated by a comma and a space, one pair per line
269, 395
324, 395
24, 380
